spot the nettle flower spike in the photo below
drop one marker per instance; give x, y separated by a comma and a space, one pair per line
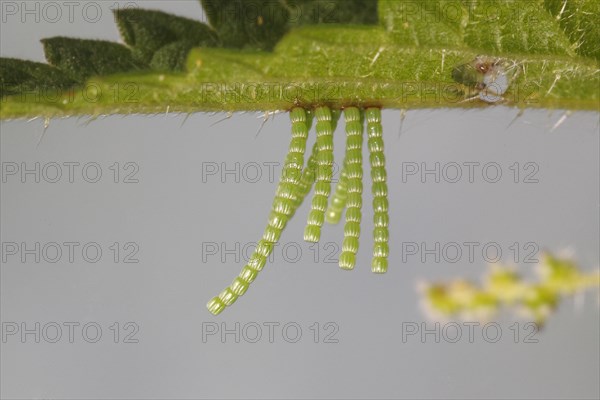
504, 287
297, 180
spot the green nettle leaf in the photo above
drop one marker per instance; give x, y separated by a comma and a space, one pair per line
307, 12
148, 31
579, 20
17, 76
171, 57
84, 58
525, 29
419, 24
259, 25
243, 24
278, 54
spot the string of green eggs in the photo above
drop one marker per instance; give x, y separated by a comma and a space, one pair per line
485, 75
297, 180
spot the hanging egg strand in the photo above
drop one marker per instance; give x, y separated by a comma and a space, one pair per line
297, 179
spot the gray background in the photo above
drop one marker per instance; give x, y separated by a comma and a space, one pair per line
171, 212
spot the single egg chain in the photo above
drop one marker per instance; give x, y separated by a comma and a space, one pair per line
297, 180
284, 205
308, 178
316, 217
333, 215
379, 190
338, 200
354, 173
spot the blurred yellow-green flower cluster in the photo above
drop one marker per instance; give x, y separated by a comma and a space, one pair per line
504, 287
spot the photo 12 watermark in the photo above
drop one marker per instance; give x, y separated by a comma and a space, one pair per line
469, 332
61, 12
249, 171
262, 12
70, 172
454, 12
70, 332
69, 252
469, 252
470, 172
288, 252
292, 93
270, 332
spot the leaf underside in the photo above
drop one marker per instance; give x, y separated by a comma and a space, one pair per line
281, 54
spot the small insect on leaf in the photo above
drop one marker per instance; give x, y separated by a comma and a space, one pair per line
487, 76
469, 74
